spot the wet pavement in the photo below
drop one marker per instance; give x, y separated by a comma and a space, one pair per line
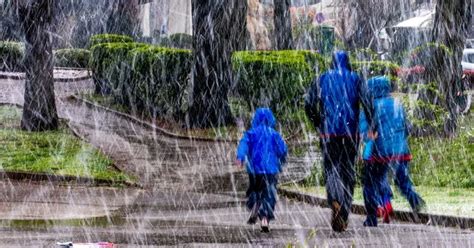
193, 196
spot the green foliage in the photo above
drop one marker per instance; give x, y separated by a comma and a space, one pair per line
11, 56
140, 75
181, 40
160, 78
421, 54
277, 79
109, 38
375, 67
107, 60
52, 152
443, 162
418, 110
77, 58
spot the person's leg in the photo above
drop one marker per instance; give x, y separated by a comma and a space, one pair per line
371, 191
269, 195
385, 193
335, 188
348, 174
252, 200
404, 183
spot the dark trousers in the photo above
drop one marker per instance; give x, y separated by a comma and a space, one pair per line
376, 187
262, 193
339, 156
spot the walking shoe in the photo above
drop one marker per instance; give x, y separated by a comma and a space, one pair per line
338, 223
265, 225
253, 215
370, 221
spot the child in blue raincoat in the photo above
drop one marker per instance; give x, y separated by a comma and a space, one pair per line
264, 152
390, 150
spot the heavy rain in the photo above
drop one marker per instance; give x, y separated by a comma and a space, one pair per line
236, 123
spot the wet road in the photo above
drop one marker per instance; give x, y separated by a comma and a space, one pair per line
193, 196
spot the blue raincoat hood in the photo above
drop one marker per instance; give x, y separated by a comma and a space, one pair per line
340, 61
263, 117
379, 86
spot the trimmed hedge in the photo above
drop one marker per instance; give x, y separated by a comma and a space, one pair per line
106, 64
160, 78
78, 58
277, 79
142, 77
178, 40
109, 38
11, 56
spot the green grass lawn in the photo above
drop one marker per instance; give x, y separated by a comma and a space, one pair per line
52, 152
443, 201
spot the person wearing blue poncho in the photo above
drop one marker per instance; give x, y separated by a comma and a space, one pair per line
390, 150
332, 104
263, 151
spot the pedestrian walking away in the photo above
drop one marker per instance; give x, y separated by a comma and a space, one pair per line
390, 151
264, 152
332, 104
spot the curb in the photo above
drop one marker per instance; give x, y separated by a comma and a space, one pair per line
22, 76
166, 132
19, 176
404, 216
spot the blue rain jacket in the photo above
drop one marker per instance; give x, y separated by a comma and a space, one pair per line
390, 122
262, 147
337, 94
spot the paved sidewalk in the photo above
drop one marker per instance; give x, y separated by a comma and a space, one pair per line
193, 195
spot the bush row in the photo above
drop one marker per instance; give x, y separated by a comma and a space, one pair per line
141, 76
277, 79
77, 58
11, 56
13, 53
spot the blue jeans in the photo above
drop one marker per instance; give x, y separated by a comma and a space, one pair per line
262, 191
405, 185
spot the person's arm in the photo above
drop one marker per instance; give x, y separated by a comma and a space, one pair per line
281, 148
366, 100
312, 106
242, 150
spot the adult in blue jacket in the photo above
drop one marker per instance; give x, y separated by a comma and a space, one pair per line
332, 104
390, 150
264, 151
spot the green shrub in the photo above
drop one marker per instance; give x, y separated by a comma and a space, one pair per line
160, 77
375, 67
109, 38
277, 79
11, 56
181, 40
107, 61
78, 58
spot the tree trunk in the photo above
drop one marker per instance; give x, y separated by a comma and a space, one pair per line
39, 109
123, 17
282, 20
451, 26
219, 28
